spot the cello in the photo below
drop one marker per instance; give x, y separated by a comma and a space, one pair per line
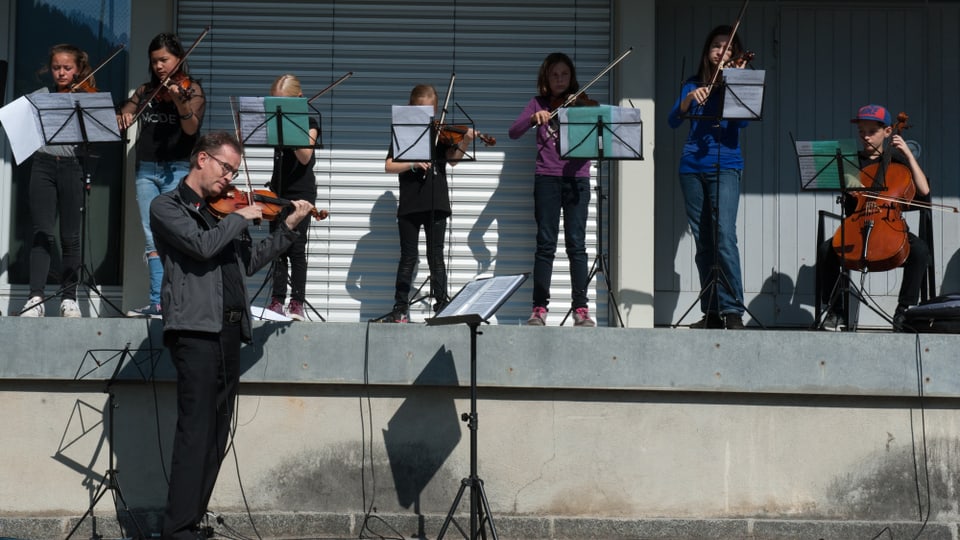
874, 236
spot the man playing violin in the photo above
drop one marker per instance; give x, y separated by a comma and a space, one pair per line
206, 316
874, 127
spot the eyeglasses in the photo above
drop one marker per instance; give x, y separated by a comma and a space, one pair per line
227, 169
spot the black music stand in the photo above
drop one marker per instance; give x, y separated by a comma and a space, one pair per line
110, 480
82, 119
741, 98
277, 122
603, 133
833, 166
476, 302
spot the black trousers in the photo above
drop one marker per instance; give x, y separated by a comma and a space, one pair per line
434, 230
56, 188
296, 254
828, 271
208, 377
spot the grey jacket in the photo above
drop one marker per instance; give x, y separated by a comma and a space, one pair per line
192, 289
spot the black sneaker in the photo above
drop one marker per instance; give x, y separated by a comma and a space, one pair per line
900, 320
732, 321
833, 322
710, 320
396, 317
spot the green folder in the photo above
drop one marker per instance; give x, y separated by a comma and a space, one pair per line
582, 131
293, 122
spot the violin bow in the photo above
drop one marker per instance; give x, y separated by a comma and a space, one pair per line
726, 48
79, 83
142, 105
332, 85
443, 110
572, 98
911, 202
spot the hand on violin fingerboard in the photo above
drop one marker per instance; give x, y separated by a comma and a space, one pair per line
301, 209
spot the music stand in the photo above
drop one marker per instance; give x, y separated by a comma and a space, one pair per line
832, 166
278, 122
603, 133
476, 302
82, 119
110, 480
741, 98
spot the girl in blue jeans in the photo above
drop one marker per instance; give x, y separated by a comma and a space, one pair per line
560, 186
168, 129
710, 170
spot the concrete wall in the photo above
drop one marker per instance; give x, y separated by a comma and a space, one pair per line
597, 434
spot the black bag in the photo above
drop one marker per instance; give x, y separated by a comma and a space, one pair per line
940, 315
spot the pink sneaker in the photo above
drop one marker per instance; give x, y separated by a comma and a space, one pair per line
581, 317
276, 306
538, 317
295, 310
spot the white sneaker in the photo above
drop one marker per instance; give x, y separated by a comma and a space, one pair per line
33, 307
70, 309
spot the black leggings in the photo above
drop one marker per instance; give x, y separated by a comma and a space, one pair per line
56, 187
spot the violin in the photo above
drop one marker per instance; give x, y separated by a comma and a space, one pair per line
739, 61
182, 81
270, 204
874, 236
81, 85
453, 135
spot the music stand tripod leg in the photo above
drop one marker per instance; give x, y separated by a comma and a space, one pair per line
480, 515
110, 480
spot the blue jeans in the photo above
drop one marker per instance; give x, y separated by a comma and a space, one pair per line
699, 191
154, 178
551, 195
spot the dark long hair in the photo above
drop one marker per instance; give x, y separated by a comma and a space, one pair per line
543, 81
172, 44
736, 48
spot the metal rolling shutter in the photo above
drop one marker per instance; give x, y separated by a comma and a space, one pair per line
495, 49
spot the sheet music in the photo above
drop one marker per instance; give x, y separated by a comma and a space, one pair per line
253, 120
743, 93
478, 300
818, 164
411, 133
22, 124
60, 117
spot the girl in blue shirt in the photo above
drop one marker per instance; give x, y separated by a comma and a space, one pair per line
710, 170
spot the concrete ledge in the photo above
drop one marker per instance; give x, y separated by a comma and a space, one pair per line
753, 361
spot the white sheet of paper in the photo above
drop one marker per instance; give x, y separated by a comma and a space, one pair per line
744, 93
253, 121
20, 121
411, 129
